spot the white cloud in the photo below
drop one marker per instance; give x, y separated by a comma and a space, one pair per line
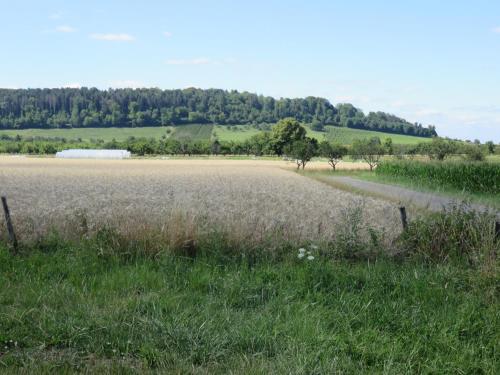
167, 34
65, 29
126, 83
113, 37
496, 29
74, 85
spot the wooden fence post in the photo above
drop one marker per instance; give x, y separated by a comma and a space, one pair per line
497, 230
10, 227
404, 221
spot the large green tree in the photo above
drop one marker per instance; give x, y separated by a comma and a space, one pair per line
286, 132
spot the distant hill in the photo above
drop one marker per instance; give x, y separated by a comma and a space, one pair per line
93, 108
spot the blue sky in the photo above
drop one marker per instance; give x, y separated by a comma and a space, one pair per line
436, 62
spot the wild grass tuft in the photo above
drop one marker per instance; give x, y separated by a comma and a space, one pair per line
457, 234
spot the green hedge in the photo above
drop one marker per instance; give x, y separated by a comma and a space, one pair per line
475, 177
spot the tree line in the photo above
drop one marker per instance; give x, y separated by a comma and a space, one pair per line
288, 139
90, 107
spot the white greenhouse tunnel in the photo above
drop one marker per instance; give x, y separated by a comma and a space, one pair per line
93, 154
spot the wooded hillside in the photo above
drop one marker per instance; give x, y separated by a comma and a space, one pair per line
90, 107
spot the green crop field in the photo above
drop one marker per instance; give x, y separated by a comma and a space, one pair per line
195, 132
106, 134
342, 135
348, 135
236, 133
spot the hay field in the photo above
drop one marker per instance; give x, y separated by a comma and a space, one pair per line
250, 199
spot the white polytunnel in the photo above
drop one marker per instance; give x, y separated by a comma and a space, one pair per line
93, 154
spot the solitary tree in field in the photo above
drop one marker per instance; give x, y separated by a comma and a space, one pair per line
473, 152
286, 132
370, 151
333, 152
439, 148
302, 151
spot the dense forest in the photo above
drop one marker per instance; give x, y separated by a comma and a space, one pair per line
90, 107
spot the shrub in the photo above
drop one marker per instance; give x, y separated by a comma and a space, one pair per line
317, 126
439, 148
457, 234
474, 153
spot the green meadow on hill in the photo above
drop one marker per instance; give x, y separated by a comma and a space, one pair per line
205, 132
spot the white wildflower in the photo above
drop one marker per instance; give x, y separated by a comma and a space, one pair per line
310, 257
302, 250
301, 255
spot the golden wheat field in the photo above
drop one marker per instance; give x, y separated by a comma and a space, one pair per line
249, 199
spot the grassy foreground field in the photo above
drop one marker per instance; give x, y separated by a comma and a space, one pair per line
235, 133
67, 308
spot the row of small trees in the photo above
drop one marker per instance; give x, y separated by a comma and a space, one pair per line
288, 138
370, 151
296, 145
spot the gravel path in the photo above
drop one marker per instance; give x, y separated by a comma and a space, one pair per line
426, 200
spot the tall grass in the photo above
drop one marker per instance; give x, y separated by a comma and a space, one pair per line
456, 234
181, 301
71, 309
474, 177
